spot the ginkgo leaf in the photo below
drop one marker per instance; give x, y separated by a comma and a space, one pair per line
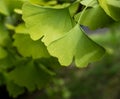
89, 3
51, 23
14, 89
111, 7
4, 36
76, 45
13, 4
3, 53
3, 8
43, 2
93, 19
29, 75
27, 47
73, 8
9, 61
21, 29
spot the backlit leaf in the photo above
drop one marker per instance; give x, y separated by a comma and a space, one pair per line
51, 23
89, 3
76, 45
3, 8
21, 29
43, 2
93, 19
111, 7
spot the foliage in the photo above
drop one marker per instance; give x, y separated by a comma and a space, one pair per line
37, 37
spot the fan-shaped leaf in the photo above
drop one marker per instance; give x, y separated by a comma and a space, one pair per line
93, 19
27, 47
111, 7
29, 75
14, 89
76, 45
51, 23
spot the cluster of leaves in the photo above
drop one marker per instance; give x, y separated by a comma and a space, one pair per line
34, 32
100, 80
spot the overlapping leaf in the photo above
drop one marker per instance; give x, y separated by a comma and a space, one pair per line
4, 36
111, 7
10, 60
13, 4
29, 75
21, 29
51, 23
27, 47
14, 89
3, 53
89, 3
44, 2
73, 8
3, 8
76, 45
93, 19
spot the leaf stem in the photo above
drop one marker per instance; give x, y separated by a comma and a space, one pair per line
84, 11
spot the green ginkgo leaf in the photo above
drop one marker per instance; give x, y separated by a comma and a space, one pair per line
4, 36
93, 19
111, 7
3, 8
51, 23
21, 29
73, 8
3, 53
89, 3
13, 4
14, 89
27, 47
43, 2
78, 46
29, 75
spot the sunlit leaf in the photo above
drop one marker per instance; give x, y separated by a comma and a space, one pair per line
51, 23
3, 8
76, 45
21, 29
111, 7
44, 2
89, 3
18, 11
93, 19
